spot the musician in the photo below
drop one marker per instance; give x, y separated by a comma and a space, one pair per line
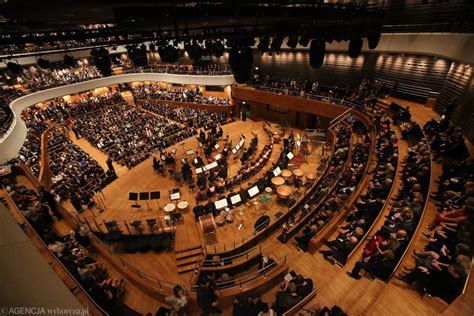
202, 181
170, 159
157, 166
186, 170
197, 162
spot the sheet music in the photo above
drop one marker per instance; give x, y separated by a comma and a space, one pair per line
173, 151
221, 204
277, 171
189, 152
163, 157
175, 196
195, 161
234, 151
216, 146
218, 156
253, 191
198, 170
290, 155
235, 199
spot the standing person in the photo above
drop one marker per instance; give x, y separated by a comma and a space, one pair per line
179, 301
207, 298
110, 165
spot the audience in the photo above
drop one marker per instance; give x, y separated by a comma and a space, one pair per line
383, 251
155, 92
73, 171
93, 277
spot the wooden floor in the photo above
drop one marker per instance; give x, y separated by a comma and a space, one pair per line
363, 297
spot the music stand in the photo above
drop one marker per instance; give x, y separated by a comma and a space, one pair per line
155, 195
145, 196
133, 196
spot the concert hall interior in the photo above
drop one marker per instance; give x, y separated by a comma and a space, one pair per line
236, 157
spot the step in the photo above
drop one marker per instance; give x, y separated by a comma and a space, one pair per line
188, 253
188, 249
186, 261
186, 268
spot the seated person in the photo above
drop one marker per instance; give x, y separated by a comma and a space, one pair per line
287, 298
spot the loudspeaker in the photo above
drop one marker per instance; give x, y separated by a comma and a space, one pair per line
241, 63
355, 46
373, 37
317, 50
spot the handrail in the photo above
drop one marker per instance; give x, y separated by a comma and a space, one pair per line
233, 257
45, 175
251, 276
309, 96
328, 229
42, 244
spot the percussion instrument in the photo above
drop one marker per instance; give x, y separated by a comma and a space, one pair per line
207, 224
220, 220
229, 218
298, 173
183, 206
169, 208
286, 174
284, 192
268, 190
276, 181
310, 175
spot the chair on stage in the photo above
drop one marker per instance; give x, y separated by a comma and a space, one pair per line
151, 222
137, 225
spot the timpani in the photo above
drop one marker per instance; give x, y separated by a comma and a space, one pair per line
277, 181
298, 173
286, 174
284, 192
169, 208
276, 138
229, 218
183, 206
310, 176
220, 220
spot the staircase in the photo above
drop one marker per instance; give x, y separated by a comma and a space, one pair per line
186, 259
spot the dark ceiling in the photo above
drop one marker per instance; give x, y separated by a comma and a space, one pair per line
183, 18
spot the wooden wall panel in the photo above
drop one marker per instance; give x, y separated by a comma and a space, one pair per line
338, 69
456, 82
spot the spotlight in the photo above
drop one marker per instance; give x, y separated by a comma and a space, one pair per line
217, 49
43, 63
195, 51
15, 68
168, 53
276, 43
263, 44
100, 58
304, 41
292, 41
69, 60
317, 50
355, 46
